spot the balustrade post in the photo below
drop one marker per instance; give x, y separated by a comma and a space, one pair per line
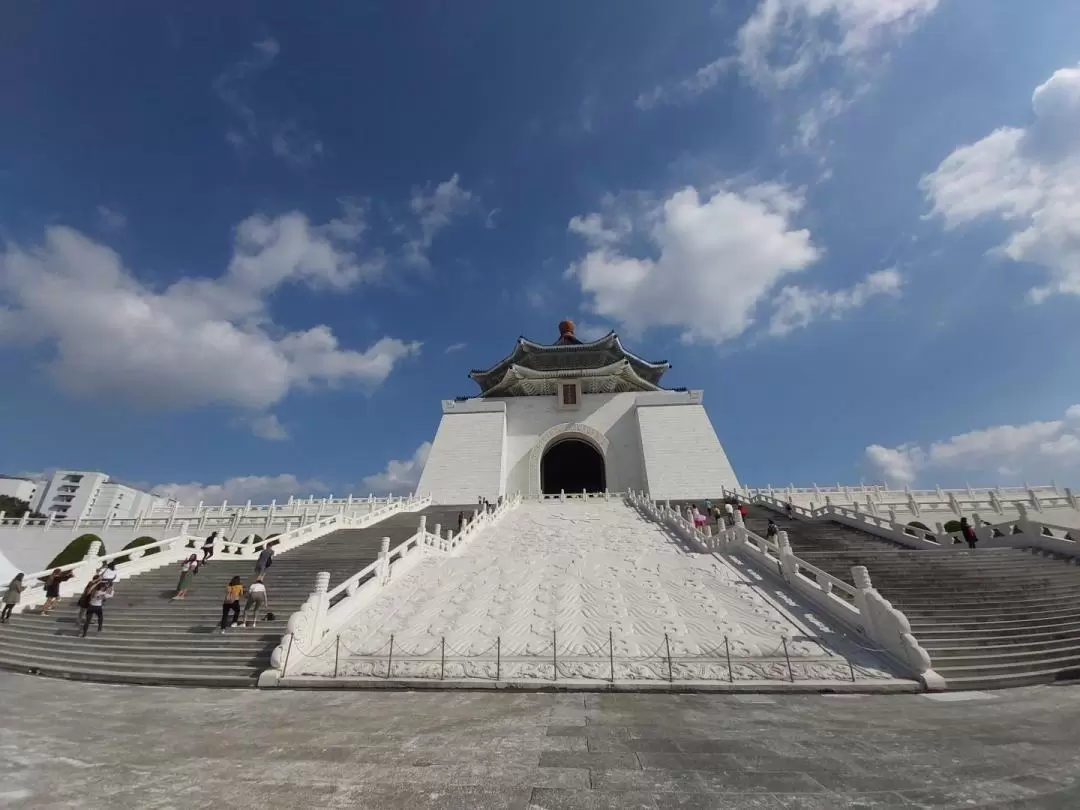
788, 567
1034, 500
52, 517
1071, 498
562, 494
24, 518
384, 559
892, 515
913, 505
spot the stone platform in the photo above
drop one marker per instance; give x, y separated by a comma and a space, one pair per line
82, 746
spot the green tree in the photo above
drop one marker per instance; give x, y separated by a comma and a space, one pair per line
76, 550
13, 507
952, 526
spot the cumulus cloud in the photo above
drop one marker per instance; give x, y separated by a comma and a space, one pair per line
1036, 451
260, 489
797, 308
399, 477
1027, 178
711, 258
199, 340
435, 209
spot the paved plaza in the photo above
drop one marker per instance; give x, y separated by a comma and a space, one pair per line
76, 745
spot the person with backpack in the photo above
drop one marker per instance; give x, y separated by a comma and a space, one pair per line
266, 559
188, 569
772, 531
96, 605
208, 547
12, 597
967, 531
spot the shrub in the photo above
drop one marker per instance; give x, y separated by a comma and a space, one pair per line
145, 540
253, 538
75, 551
272, 543
952, 526
917, 525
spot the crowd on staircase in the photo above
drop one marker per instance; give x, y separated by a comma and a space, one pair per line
102, 587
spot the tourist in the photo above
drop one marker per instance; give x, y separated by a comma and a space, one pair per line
107, 573
772, 530
84, 599
256, 601
233, 591
967, 531
708, 507
698, 518
52, 588
208, 546
460, 522
96, 606
743, 511
729, 510
266, 559
12, 597
188, 569
790, 511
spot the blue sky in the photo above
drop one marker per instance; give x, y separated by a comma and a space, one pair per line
246, 254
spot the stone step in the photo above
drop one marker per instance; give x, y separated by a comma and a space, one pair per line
982, 669
1024, 601
959, 635
79, 651
992, 657
989, 644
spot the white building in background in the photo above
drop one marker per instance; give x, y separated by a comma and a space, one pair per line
25, 489
92, 496
577, 417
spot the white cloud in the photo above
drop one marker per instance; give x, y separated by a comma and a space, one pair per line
1037, 451
199, 340
713, 259
588, 332
399, 477
454, 347
796, 307
1028, 178
435, 210
286, 139
784, 41
260, 489
111, 219
268, 427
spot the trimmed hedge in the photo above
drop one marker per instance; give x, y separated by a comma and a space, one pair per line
75, 551
145, 540
917, 525
952, 526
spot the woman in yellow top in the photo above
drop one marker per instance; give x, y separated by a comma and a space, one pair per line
233, 591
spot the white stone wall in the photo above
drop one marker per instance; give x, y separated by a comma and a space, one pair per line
610, 414
683, 457
467, 456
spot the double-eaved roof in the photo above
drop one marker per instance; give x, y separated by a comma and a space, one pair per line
603, 366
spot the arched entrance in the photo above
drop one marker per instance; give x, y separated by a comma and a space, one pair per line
572, 465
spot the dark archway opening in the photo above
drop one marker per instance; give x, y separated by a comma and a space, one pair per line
572, 465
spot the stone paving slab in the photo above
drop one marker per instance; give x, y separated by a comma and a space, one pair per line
85, 746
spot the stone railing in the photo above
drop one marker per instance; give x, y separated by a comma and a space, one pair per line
139, 560
1020, 533
877, 499
312, 531
326, 611
860, 607
584, 495
232, 520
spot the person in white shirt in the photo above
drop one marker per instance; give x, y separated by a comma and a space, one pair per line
256, 601
96, 605
108, 573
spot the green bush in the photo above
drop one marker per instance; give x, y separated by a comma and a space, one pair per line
75, 551
138, 541
916, 525
952, 526
251, 539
